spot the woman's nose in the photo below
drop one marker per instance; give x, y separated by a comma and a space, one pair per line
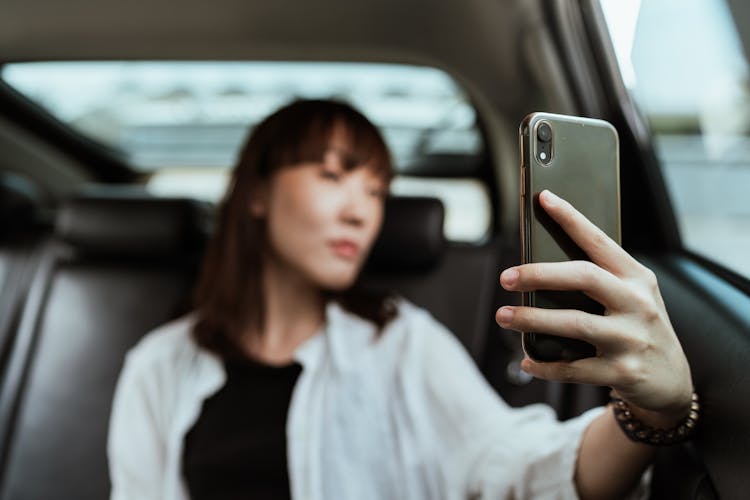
354, 213
355, 209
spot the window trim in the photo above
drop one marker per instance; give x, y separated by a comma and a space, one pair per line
590, 37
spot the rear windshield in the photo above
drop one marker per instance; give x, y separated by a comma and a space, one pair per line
184, 114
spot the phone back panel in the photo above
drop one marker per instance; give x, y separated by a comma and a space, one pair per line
584, 170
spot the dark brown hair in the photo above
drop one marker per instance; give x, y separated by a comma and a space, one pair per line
229, 298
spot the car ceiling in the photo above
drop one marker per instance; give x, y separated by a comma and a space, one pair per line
475, 38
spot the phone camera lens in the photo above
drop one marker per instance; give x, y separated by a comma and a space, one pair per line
544, 132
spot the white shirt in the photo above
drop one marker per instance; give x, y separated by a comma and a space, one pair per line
403, 416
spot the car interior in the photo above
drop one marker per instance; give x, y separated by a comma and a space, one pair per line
92, 258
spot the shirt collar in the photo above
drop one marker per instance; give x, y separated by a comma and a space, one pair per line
343, 337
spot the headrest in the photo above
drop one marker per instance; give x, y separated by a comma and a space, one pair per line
412, 235
133, 224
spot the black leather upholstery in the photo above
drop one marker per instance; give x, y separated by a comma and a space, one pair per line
411, 239
455, 282
82, 314
131, 224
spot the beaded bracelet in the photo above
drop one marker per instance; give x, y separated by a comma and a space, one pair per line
642, 433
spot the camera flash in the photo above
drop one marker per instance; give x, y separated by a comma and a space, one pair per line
543, 155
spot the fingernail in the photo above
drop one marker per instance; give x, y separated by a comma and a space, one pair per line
550, 197
506, 315
509, 277
526, 365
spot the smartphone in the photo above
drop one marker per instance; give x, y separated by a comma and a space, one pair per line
578, 159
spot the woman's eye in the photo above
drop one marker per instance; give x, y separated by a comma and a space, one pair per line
378, 193
330, 175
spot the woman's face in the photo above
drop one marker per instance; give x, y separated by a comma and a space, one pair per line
323, 219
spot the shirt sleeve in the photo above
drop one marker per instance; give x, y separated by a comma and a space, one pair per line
135, 444
497, 451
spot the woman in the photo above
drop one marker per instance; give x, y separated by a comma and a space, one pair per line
286, 381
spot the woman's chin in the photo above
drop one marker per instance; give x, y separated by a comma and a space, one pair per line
338, 285
337, 282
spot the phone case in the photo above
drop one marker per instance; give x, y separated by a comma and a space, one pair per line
584, 170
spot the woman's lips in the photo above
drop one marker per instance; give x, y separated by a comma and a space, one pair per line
345, 248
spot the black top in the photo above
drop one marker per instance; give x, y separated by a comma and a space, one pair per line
237, 448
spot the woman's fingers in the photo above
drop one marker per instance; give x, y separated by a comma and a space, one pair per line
578, 275
569, 323
598, 246
593, 371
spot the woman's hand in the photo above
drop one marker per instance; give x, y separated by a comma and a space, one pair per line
638, 353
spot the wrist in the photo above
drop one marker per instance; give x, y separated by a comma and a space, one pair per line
656, 427
659, 419
663, 418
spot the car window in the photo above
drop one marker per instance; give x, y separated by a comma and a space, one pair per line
184, 122
687, 71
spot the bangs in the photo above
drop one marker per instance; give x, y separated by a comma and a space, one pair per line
308, 131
